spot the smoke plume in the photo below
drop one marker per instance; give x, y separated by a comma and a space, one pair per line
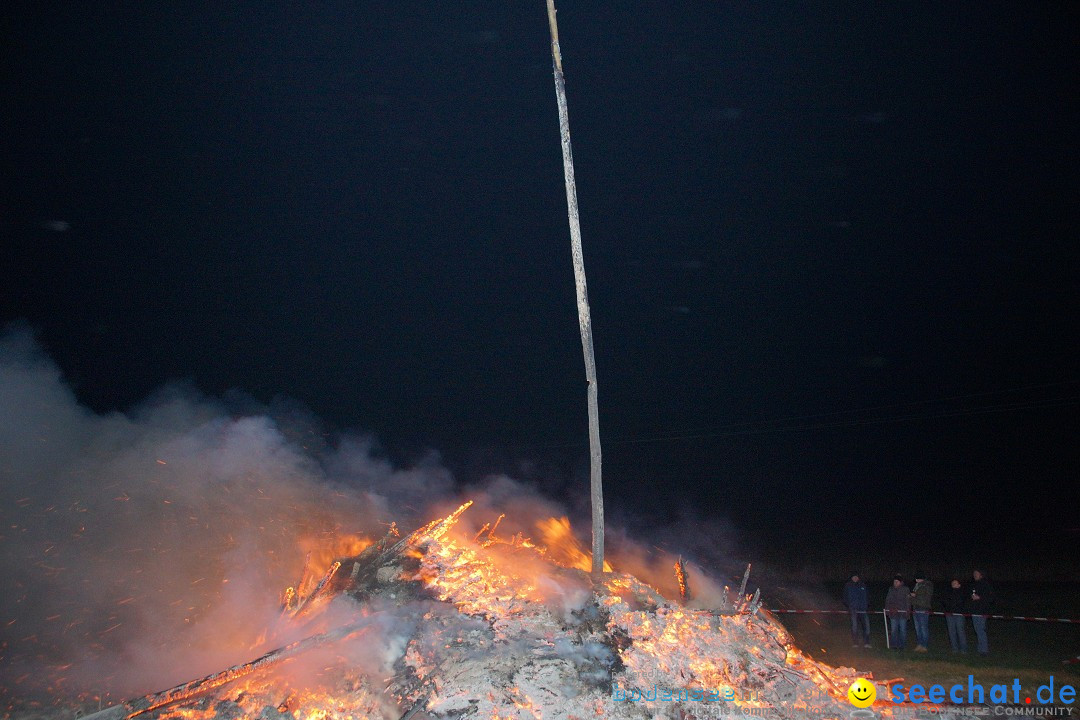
146, 548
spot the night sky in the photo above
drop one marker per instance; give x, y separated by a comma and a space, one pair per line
831, 247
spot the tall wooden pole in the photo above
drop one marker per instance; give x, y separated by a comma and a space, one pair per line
584, 319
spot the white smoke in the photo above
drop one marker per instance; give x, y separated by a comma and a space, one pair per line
147, 548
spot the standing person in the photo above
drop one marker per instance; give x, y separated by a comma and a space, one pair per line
955, 605
921, 597
982, 603
897, 607
857, 600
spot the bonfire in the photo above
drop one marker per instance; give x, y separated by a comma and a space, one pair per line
441, 623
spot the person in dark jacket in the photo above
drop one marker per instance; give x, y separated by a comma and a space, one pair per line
982, 604
954, 603
857, 601
897, 608
921, 597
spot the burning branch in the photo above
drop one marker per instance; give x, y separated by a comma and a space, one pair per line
389, 549
319, 588
189, 690
680, 576
484, 529
490, 530
496, 525
372, 551
438, 528
434, 530
288, 599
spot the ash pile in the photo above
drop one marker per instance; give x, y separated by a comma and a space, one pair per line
442, 625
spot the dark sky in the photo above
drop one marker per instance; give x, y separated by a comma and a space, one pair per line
831, 247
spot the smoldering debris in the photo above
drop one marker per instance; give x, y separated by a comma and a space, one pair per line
471, 628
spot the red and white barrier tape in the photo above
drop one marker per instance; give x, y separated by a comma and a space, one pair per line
877, 612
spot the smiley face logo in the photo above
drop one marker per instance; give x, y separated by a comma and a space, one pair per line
862, 693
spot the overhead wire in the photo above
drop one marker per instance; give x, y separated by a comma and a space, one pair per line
792, 423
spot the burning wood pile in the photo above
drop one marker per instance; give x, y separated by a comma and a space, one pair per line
440, 624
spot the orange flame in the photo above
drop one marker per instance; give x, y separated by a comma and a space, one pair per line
325, 550
563, 547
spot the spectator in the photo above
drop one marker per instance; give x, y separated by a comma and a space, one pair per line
897, 607
955, 604
982, 603
857, 600
920, 599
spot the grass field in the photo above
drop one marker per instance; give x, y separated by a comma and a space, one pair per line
1030, 651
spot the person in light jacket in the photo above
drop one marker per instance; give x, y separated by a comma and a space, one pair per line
897, 608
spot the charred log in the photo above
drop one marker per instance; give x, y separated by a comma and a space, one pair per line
680, 577
742, 587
